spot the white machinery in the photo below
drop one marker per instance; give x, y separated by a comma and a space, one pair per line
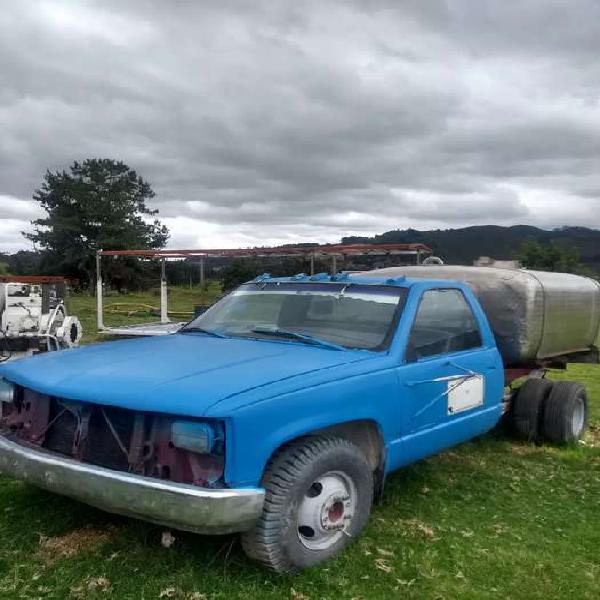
33, 319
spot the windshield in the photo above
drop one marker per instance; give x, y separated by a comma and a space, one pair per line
342, 315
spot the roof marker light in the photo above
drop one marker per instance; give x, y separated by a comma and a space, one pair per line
395, 280
320, 277
7, 391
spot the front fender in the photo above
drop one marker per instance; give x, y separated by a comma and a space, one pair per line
257, 430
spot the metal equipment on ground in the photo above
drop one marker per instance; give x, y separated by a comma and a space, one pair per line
33, 317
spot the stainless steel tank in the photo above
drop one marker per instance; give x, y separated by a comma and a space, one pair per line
534, 315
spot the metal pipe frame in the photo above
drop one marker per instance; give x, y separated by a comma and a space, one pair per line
339, 249
99, 294
334, 251
164, 301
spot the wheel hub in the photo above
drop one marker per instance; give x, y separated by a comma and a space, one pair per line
578, 419
326, 510
335, 512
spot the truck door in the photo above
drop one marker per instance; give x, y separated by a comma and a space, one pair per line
451, 379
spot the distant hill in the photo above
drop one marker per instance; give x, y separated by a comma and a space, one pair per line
455, 246
462, 246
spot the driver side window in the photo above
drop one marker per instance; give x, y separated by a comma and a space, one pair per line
444, 324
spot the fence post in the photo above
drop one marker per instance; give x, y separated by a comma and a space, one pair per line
99, 291
164, 308
202, 272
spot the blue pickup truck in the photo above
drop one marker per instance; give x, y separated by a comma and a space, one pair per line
279, 412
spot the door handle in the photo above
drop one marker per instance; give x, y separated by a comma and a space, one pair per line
441, 379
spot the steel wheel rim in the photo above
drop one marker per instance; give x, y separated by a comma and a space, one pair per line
326, 510
578, 418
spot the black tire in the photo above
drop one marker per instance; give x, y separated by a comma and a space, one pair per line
528, 407
565, 413
289, 480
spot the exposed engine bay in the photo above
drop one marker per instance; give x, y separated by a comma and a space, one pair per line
33, 318
149, 444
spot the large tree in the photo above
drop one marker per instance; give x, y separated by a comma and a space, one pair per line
99, 204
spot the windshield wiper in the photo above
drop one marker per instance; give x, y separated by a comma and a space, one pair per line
294, 335
196, 329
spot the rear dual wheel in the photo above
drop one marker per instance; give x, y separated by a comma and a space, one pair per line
528, 408
565, 413
552, 411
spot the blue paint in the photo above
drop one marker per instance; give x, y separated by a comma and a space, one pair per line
320, 277
341, 277
267, 392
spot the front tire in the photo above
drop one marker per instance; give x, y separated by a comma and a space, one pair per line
319, 492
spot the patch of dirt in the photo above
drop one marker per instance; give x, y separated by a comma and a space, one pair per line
593, 436
524, 450
177, 594
93, 584
449, 456
73, 543
418, 527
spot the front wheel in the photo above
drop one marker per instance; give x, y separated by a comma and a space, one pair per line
319, 492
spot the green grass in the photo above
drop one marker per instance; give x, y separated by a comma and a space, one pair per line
181, 300
492, 518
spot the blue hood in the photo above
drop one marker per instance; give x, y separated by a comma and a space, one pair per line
182, 374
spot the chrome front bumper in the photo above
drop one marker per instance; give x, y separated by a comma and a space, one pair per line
176, 505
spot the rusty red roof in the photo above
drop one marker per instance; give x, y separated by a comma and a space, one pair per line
339, 249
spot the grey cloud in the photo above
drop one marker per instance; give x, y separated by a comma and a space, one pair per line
13, 208
11, 239
318, 116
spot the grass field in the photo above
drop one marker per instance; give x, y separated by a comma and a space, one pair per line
492, 518
116, 308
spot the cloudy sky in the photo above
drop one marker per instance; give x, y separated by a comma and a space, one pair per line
264, 122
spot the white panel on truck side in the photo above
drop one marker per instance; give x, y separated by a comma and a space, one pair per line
465, 393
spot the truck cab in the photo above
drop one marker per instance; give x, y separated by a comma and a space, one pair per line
450, 373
